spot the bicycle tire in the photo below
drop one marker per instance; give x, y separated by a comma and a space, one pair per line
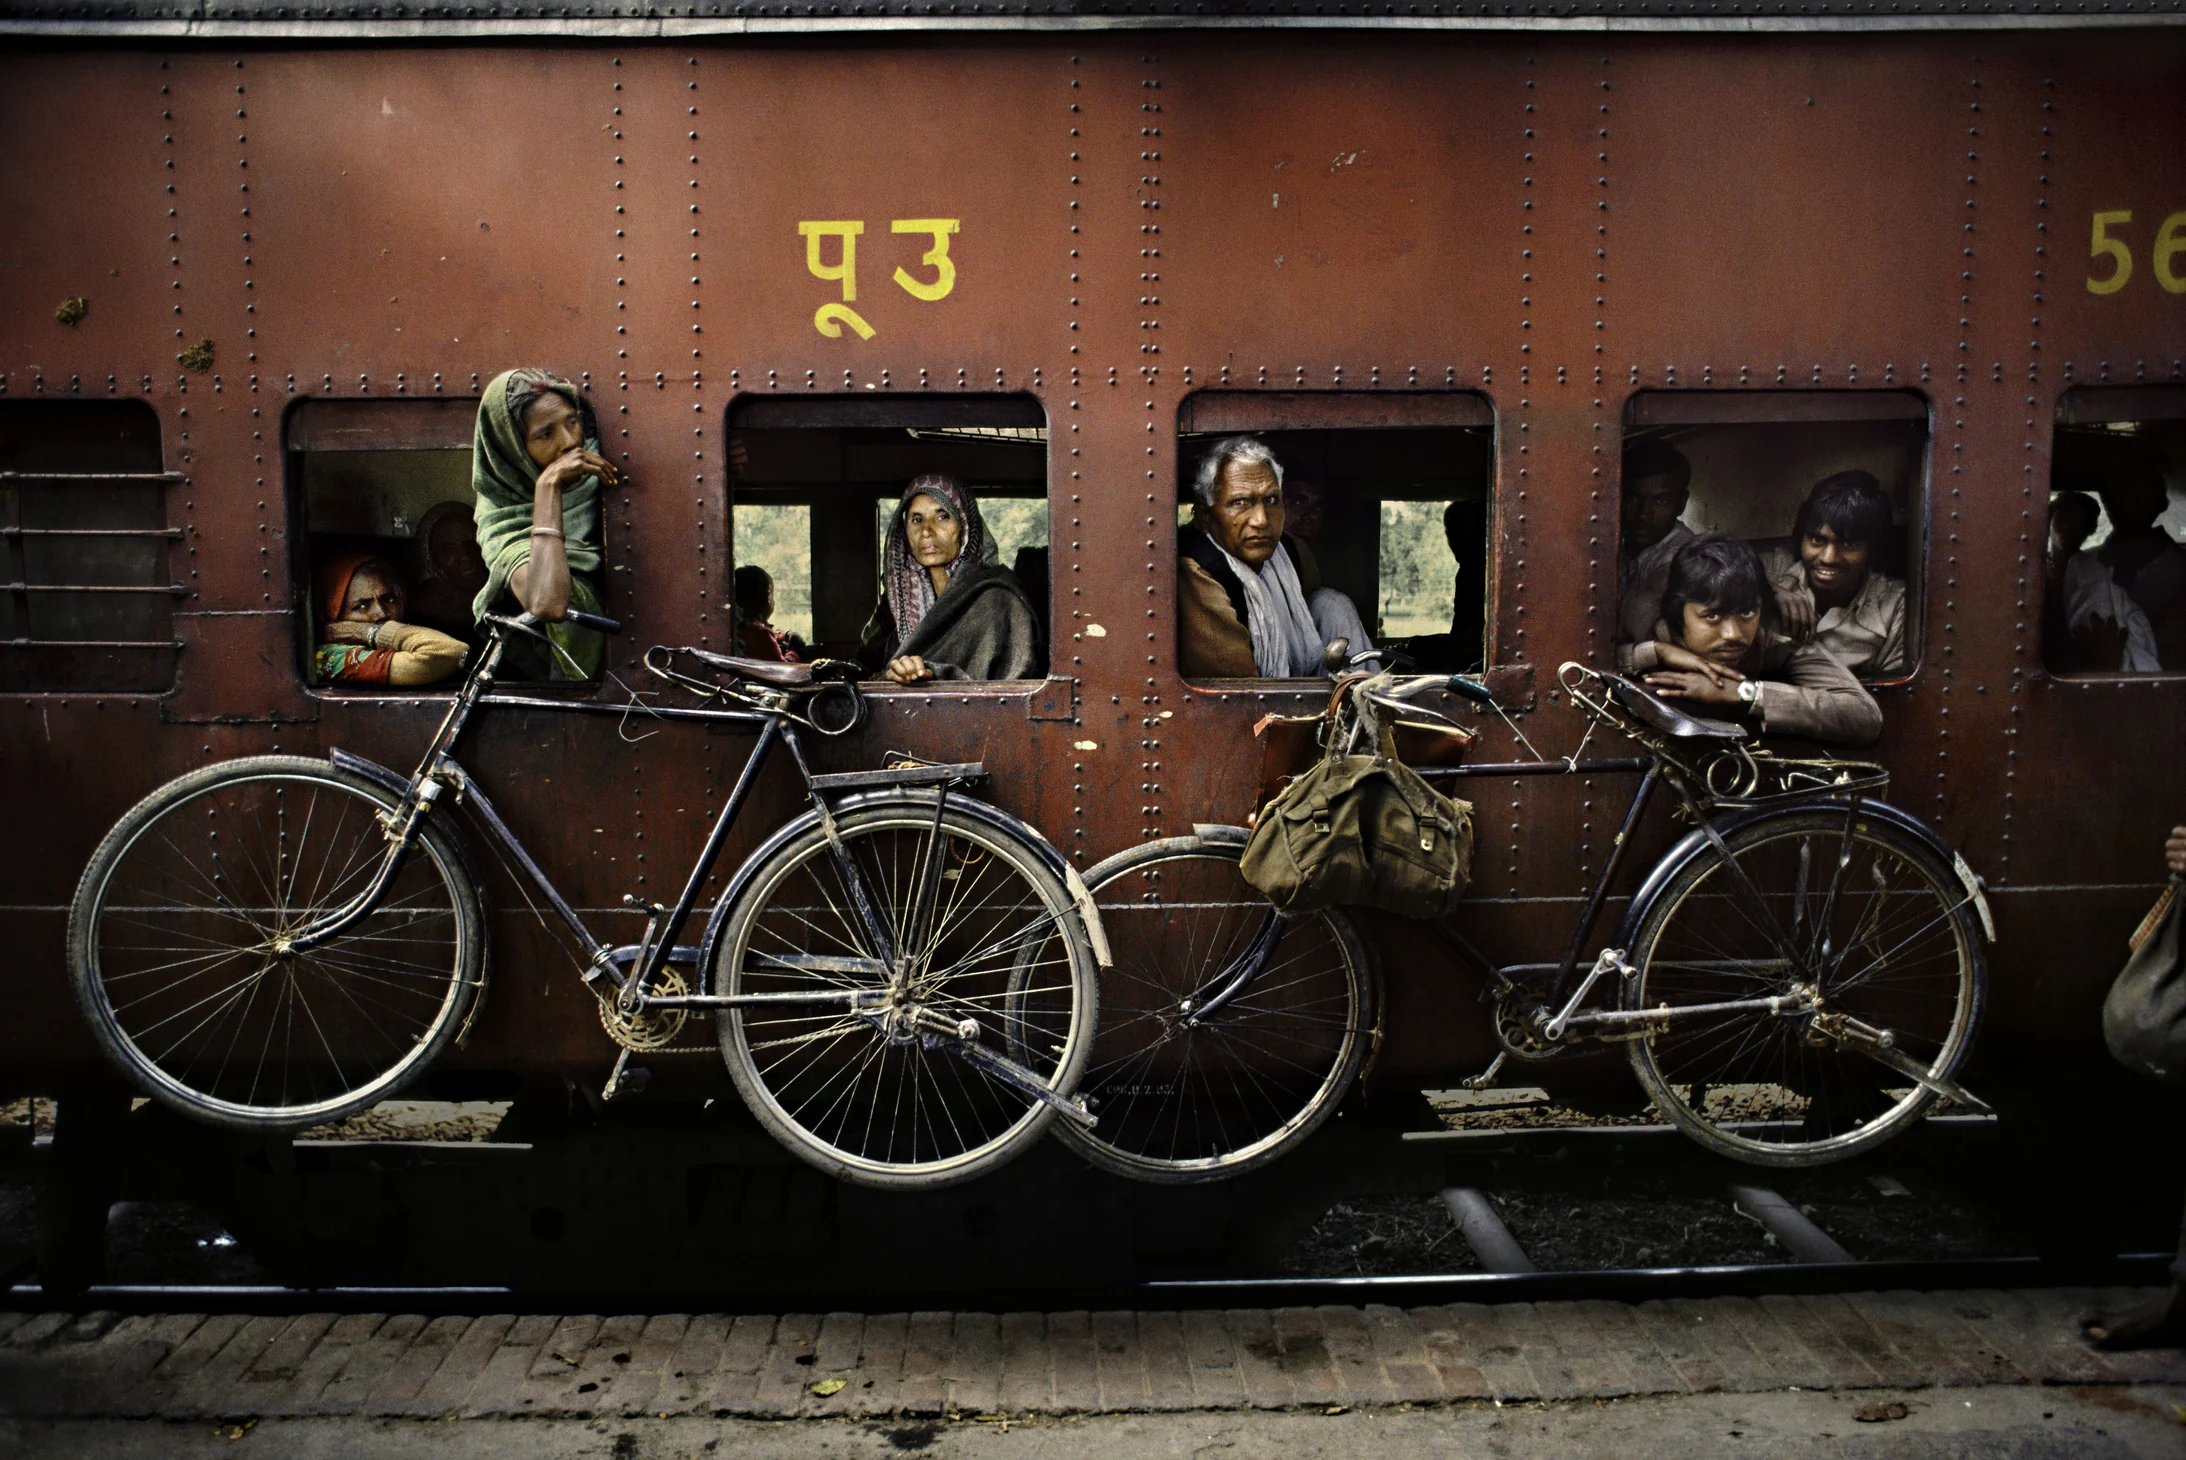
833, 1086
1900, 948
1181, 1102
172, 957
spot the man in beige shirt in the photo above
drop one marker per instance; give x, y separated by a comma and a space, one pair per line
1713, 649
1825, 583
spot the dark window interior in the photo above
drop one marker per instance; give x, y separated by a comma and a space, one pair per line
2116, 602
1755, 456
88, 601
368, 476
1390, 493
822, 478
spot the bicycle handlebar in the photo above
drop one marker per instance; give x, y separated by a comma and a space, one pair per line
529, 623
599, 622
1470, 689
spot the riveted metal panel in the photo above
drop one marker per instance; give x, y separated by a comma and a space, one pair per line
1470, 220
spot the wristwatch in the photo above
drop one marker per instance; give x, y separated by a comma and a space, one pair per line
1749, 692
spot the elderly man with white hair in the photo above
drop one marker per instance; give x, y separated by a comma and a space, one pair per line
1249, 600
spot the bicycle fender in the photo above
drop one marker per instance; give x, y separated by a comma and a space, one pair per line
993, 815
1696, 841
398, 786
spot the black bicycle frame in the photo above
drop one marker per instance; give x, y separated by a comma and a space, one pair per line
439, 769
1567, 971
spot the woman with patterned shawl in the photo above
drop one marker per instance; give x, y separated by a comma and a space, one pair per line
536, 468
949, 609
363, 639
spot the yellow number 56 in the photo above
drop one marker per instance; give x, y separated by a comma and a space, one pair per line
2105, 244
2170, 243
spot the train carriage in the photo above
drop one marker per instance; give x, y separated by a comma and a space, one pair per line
1452, 261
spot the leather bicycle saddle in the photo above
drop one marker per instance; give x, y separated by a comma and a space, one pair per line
1664, 718
766, 671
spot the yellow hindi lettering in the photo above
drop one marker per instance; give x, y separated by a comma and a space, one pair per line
936, 258
847, 270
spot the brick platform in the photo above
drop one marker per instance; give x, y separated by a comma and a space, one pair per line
231, 1367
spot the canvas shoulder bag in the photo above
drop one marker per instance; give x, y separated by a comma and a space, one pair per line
1362, 831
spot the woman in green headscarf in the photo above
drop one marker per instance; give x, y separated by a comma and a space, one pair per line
536, 469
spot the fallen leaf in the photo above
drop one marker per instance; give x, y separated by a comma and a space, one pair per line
1881, 1410
829, 1386
1337, 1409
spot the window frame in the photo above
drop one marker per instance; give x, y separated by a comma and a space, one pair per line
1222, 410
334, 424
1049, 697
2090, 405
1704, 407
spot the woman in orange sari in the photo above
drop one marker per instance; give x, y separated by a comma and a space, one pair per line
363, 638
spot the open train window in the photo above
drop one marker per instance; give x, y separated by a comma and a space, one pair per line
1380, 505
384, 489
826, 486
2114, 599
88, 597
1828, 487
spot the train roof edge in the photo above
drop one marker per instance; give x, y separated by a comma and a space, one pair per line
219, 20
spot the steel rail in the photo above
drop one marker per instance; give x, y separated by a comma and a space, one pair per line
1629, 1285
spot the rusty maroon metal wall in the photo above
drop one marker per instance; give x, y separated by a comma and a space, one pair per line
1554, 222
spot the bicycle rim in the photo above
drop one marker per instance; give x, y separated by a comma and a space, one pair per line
1000, 944
1182, 1099
1890, 936
175, 934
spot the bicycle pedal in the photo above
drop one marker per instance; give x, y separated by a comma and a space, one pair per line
1486, 1078
625, 1079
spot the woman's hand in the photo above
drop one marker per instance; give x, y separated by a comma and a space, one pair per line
909, 669
571, 467
1689, 684
2174, 851
346, 631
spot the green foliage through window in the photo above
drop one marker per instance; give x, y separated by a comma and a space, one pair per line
778, 538
1418, 571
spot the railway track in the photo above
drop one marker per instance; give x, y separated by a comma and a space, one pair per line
1540, 1212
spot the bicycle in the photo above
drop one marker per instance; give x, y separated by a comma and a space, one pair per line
904, 978
1796, 980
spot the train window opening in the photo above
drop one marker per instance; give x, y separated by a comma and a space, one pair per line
2114, 560
1382, 522
819, 493
388, 564
1827, 487
88, 598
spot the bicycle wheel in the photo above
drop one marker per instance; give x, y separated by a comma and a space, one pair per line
888, 1091
1858, 912
174, 946
1182, 1101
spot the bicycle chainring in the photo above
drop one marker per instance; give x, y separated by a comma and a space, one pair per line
1514, 1032
650, 1028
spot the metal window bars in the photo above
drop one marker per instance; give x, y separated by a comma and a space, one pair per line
24, 577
